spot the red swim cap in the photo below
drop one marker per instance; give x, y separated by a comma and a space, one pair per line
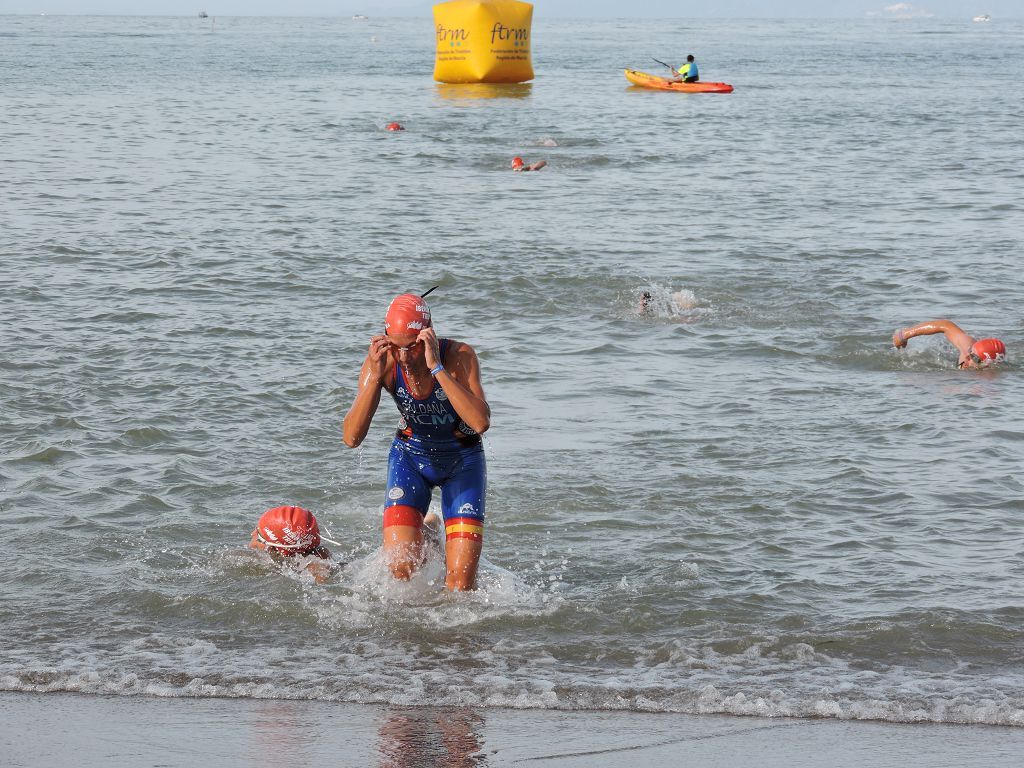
989, 349
289, 530
394, 127
517, 163
407, 313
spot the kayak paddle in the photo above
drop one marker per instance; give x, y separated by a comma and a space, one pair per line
665, 65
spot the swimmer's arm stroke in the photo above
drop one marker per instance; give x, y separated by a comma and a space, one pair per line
371, 381
460, 381
953, 332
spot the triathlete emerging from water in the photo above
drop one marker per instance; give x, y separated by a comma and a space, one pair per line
978, 353
436, 385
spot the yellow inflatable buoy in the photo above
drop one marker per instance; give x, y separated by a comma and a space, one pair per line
483, 41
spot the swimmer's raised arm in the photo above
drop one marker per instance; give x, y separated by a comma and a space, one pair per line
974, 353
953, 332
460, 380
371, 381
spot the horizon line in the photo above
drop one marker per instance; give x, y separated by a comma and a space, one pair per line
874, 15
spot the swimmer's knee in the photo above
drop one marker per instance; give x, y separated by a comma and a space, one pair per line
403, 558
401, 570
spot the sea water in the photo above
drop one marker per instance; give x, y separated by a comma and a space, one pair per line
742, 501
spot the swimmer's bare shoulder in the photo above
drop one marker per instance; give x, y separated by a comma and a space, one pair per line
461, 359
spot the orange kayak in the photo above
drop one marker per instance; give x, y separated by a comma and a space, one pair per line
645, 80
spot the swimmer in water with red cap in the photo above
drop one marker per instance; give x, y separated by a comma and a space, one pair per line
292, 535
436, 385
394, 127
518, 164
974, 353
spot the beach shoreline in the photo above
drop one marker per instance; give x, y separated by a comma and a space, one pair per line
46, 729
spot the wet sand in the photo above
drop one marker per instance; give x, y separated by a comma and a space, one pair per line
86, 730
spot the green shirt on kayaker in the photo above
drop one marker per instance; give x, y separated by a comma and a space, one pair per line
689, 72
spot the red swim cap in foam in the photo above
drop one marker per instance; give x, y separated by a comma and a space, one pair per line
394, 127
290, 530
517, 163
989, 349
407, 313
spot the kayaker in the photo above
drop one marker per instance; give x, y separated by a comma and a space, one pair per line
518, 164
436, 385
688, 73
974, 353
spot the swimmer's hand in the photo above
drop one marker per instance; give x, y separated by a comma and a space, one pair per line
320, 571
377, 356
897, 339
431, 353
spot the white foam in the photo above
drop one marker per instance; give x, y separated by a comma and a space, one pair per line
666, 303
410, 687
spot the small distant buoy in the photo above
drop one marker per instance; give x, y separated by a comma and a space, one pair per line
394, 127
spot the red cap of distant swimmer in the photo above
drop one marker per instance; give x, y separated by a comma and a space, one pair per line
407, 313
395, 127
517, 163
989, 349
290, 530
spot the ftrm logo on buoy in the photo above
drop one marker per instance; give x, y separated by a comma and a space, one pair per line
517, 34
451, 35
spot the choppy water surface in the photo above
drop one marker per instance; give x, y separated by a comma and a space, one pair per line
744, 503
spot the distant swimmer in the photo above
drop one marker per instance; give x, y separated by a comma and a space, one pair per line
292, 535
394, 127
665, 304
978, 353
688, 73
518, 164
436, 385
